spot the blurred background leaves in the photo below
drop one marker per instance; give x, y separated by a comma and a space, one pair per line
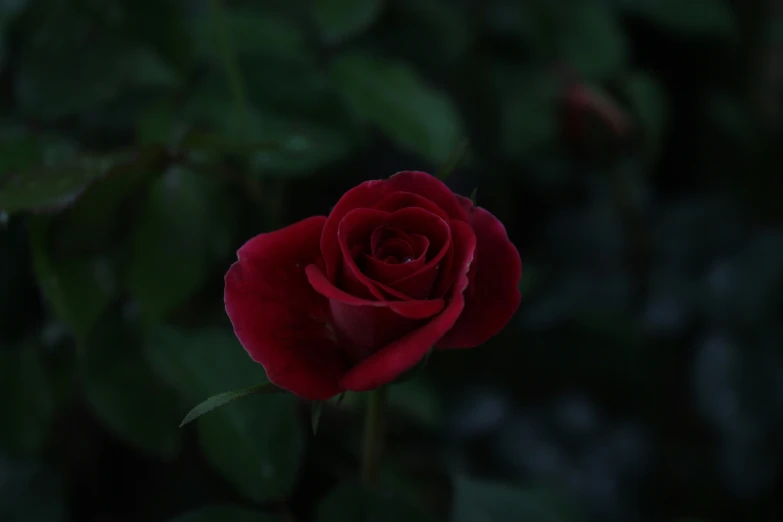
631, 148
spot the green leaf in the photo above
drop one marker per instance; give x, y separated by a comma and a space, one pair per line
352, 502
451, 163
20, 151
45, 173
694, 17
315, 416
252, 33
592, 41
23, 488
186, 225
340, 19
301, 89
73, 63
257, 443
391, 96
51, 187
224, 514
649, 107
127, 396
163, 25
202, 363
79, 290
27, 401
495, 502
277, 144
95, 222
473, 196
224, 398
304, 145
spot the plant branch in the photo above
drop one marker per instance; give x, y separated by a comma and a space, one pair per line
374, 427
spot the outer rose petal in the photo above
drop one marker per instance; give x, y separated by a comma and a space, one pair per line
430, 187
398, 200
493, 296
370, 193
402, 354
363, 326
278, 317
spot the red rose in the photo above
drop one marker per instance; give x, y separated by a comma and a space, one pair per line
351, 301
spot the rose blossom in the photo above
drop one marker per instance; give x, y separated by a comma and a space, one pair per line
353, 300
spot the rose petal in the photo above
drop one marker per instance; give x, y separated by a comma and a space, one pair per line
371, 193
362, 330
402, 354
363, 326
356, 228
410, 309
419, 283
385, 272
395, 249
414, 220
420, 245
429, 187
400, 200
278, 317
382, 235
493, 296
445, 276
393, 260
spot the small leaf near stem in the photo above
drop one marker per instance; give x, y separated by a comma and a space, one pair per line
222, 399
315, 416
374, 427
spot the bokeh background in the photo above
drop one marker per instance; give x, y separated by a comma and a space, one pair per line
633, 148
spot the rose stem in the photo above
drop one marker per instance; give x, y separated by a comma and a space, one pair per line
374, 426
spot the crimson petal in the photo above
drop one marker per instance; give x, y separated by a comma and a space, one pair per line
391, 361
384, 271
356, 228
278, 318
431, 188
371, 193
364, 326
419, 283
493, 296
411, 309
400, 200
384, 234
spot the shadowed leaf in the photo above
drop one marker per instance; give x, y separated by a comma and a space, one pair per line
221, 399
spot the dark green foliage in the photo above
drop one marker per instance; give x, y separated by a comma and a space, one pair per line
632, 149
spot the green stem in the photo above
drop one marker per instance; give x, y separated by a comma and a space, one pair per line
374, 426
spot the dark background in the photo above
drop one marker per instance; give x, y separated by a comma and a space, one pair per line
632, 148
